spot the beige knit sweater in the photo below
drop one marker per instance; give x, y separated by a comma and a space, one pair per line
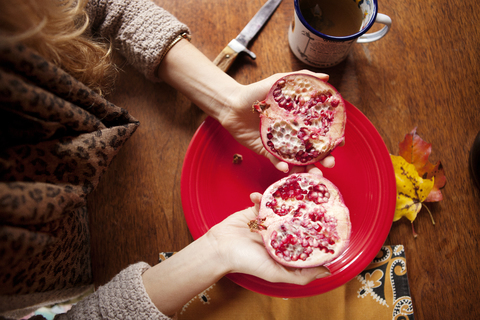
124, 297
141, 30
57, 137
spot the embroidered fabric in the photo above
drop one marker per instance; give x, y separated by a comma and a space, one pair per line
381, 291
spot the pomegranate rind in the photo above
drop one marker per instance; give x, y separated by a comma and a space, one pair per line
310, 124
334, 225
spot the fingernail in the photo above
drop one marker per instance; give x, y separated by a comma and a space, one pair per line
323, 274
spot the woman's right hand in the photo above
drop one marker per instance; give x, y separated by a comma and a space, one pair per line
228, 247
243, 251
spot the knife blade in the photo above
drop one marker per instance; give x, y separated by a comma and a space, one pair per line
228, 55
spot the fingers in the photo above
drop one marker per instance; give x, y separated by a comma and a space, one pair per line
325, 272
256, 198
328, 162
273, 78
306, 275
313, 169
322, 76
297, 169
280, 165
319, 75
299, 276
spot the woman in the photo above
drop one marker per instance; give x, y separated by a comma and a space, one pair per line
59, 134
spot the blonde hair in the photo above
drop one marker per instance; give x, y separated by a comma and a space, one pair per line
57, 30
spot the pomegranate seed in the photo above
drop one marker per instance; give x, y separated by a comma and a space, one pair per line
303, 134
274, 244
277, 92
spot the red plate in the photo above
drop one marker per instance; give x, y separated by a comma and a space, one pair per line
213, 187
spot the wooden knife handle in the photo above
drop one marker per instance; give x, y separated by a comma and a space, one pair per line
225, 59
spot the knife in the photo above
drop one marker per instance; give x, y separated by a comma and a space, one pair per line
228, 55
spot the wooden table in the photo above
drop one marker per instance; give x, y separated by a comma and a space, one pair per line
424, 74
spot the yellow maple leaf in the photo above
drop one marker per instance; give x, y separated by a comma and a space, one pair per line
412, 190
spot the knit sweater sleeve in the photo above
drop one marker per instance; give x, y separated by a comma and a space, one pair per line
124, 297
140, 30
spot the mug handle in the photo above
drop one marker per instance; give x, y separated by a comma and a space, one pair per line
374, 36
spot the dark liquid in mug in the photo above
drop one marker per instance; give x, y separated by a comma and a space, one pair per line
337, 18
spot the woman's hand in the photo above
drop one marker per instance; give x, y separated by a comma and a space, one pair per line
243, 250
222, 97
243, 122
228, 247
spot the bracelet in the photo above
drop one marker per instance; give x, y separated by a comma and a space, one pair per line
181, 36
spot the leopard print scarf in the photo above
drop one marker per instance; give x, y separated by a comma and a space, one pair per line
57, 137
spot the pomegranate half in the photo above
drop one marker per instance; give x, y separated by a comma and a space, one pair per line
302, 119
303, 221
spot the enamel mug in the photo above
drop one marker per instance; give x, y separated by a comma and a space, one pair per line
321, 50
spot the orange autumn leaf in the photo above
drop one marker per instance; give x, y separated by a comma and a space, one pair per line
417, 151
417, 179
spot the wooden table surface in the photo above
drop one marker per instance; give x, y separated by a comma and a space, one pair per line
424, 74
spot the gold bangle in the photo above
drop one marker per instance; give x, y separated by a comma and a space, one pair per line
181, 36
